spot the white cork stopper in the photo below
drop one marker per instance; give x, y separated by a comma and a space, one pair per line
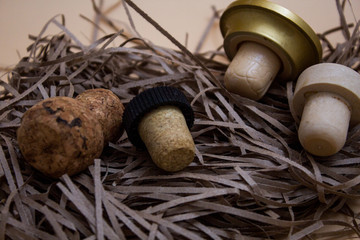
327, 97
252, 70
167, 138
324, 123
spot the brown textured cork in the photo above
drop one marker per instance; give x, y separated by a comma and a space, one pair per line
60, 135
63, 135
108, 110
167, 138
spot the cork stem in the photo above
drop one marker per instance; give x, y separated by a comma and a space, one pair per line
324, 123
252, 70
167, 138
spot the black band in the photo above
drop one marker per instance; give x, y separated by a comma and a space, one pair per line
149, 100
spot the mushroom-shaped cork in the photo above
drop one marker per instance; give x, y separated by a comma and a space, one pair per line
327, 97
159, 119
265, 41
108, 110
63, 135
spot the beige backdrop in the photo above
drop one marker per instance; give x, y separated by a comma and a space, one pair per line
18, 18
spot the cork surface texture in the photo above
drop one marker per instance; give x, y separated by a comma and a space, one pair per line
59, 136
108, 110
167, 138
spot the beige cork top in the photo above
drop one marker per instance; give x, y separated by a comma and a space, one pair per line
332, 78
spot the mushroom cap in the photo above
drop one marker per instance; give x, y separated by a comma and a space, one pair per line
333, 78
275, 27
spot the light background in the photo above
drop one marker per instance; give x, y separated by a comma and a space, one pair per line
183, 19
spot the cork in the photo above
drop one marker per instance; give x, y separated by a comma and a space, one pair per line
167, 138
252, 70
159, 120
327, 97
265, 42
108, 110
62, 135
324, 123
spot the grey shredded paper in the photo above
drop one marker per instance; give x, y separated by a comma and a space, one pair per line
250, 178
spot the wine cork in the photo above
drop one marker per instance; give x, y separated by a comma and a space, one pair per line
62, 135
159, 119
265, 42
252, 70
324, 123
108, 110
167, 138
327, 98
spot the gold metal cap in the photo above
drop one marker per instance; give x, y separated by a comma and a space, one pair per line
274, 26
